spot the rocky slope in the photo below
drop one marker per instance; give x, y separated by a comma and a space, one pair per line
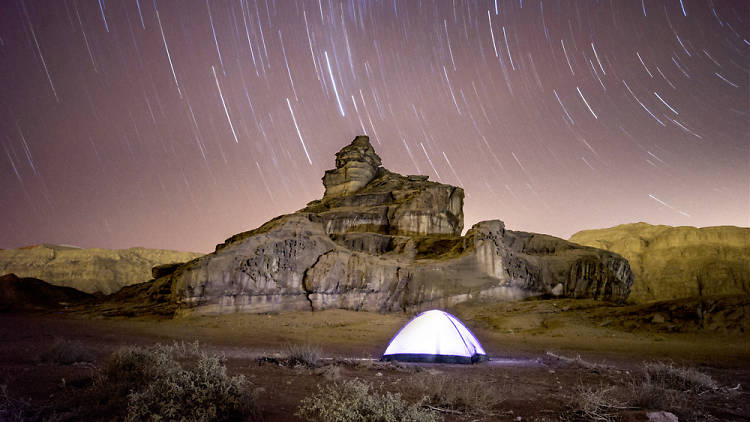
380, 241
678, 262
31, 294
87, 270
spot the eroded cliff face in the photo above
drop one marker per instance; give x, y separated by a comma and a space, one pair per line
88, 270
678, 262
380, 241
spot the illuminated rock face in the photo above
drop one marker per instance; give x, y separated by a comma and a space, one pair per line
678, 262
361, 196
379, 241
88, 270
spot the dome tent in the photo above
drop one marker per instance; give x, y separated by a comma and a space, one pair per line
434, 336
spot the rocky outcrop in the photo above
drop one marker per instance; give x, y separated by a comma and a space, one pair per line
361, 196
87, 270
678, 262
356, 166
379, 241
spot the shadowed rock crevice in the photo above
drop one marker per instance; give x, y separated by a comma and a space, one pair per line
380, 241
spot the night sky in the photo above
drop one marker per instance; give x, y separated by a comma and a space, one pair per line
175, 124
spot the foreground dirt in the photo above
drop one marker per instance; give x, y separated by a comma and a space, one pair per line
542, 353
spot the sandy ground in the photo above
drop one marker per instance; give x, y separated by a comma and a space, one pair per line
540, 351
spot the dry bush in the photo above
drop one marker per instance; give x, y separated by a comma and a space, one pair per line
302, 355
668, 376
465, 395
12, 410
66, 352
149, 384
355, 401
646, 395
594, 403
662, 386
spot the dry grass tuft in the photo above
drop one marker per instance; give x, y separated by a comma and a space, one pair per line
304, 354
464, 395
356, 401
668, 376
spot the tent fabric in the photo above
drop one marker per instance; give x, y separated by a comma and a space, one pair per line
435, 336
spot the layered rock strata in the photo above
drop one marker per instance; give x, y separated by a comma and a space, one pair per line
379, 241
679, 262
88, 270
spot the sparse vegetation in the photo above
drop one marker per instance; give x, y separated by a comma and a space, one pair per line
157, 387
464, 395
668, 376
665, 386
303, 354
355, 401
595, 403
11, 410
66, 352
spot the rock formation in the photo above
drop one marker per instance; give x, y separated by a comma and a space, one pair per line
379, 241
678, 262
87, 270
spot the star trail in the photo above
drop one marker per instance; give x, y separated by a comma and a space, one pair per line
175, 124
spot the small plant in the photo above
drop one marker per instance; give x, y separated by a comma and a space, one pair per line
673, 377
354, 401
11, 410
466, 395
595, 403
302, 355
66, 352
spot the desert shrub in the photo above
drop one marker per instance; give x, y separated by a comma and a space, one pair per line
667, 387
203, 393
594, 403
668, 376
66, 352
12, 410
302, 355
466, 395
149, 384
354, 401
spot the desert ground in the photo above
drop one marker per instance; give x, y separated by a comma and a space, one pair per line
549, 360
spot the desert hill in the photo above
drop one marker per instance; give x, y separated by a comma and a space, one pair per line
33, 294
377, 241
87, 270
678, 262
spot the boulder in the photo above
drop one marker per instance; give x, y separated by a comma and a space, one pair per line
678, 262
390, 244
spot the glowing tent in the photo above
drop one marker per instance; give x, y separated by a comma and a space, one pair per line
435, 336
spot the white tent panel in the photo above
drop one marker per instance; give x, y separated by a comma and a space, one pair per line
432, 335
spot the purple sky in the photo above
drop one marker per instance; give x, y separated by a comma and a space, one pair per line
174, 125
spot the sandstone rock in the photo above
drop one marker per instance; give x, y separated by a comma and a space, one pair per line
392, 243
87, 270
361, 196
356, 165
661, 416
395, 205
678, 262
